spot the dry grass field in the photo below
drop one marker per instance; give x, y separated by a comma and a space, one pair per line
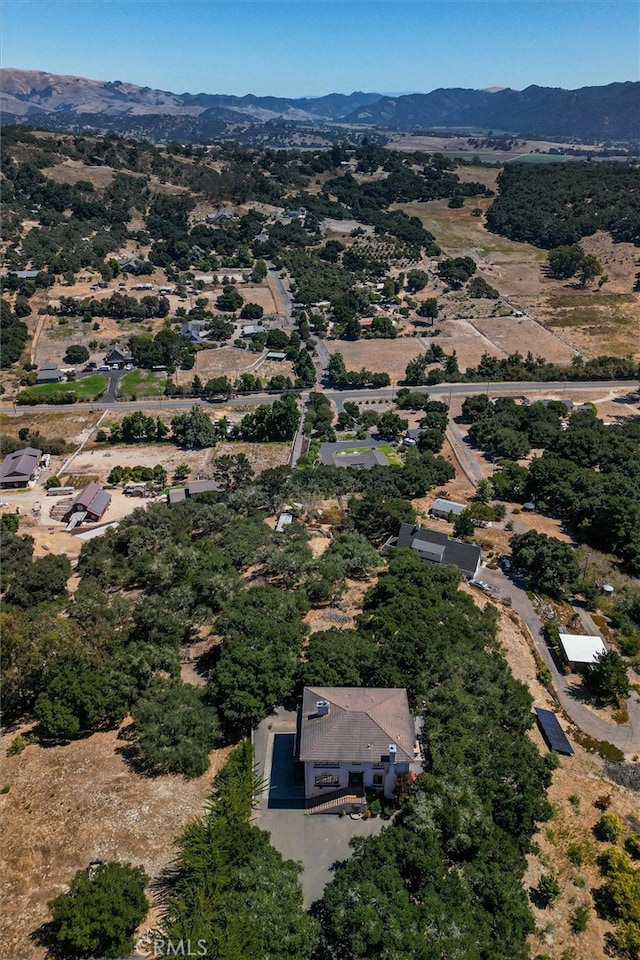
388, 356
593, 321
69, 805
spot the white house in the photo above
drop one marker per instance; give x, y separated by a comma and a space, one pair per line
579, 652
352, 739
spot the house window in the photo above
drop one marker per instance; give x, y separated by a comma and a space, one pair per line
326, 780
326, 766
378, 780
378, 766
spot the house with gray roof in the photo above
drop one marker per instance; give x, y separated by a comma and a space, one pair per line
91, 504
49, 374
193, 488
353, 739
437, 548
194, 330
343, 454
19, 467
118, 357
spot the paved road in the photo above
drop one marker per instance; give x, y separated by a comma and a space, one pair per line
625, 736
441, 391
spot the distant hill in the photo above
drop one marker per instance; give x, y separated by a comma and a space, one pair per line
32, 95
70, 103
600, 113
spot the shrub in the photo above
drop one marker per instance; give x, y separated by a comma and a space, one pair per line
632, 845
16, 746
609, 828
101, 911
548, 889
580, 918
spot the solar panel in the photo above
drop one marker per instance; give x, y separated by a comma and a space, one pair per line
553, 732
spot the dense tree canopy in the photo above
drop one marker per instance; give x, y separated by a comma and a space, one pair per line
101, 911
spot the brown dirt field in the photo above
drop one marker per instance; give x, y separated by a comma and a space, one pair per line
69, 425
595, 321
72, 804
523, 334
100, 461
380, 356
70, 171
233, 361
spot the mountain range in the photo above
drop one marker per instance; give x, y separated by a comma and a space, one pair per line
609, 112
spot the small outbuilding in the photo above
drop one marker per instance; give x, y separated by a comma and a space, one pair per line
284, 520
193, 488
580, 652
443, 509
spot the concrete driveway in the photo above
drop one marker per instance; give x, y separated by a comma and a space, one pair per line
318, 841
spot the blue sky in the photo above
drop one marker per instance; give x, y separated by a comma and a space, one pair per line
308, 49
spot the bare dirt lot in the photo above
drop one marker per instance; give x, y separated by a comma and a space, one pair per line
72, 804
231, 362
381, 356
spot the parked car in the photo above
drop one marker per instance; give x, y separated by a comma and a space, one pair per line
505, 563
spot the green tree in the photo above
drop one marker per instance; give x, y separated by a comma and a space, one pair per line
194, 430
548, 563
428, 309
76, 354
609, 828
45, 579
101, 912
270, 422
391, 426
416, 280
463, 528
175, 728
484, 490
79, 700
378, 518
229, 300
589, 268
548, 889
608, 678
563, 262
252, 311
